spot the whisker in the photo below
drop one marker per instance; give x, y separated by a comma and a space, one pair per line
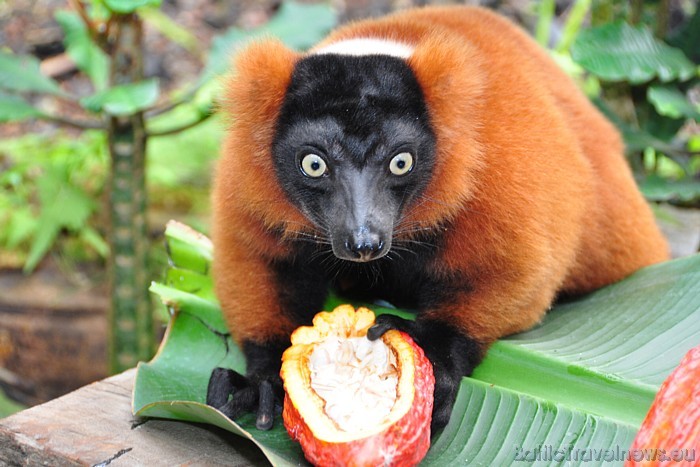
436, 201
399, 248
408, 230
309, 237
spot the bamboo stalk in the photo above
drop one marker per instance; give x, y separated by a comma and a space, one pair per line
131, 324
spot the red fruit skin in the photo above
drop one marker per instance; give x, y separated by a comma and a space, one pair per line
404, 443
673, 421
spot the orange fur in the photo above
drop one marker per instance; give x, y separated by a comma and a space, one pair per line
529, 175
247, 200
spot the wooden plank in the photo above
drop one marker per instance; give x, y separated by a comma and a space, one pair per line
94, 426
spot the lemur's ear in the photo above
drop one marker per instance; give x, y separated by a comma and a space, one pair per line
254, 94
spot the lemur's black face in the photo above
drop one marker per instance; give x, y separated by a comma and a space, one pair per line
353, 148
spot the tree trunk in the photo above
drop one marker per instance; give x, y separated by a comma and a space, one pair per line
131, 323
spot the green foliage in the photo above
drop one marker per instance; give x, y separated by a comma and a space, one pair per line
670, 102
641, 82
8, 406
14, 108
21, 74
573, 24
179, 179
492, 425
683, 191
298, 25
178, 183
170, 29
584, 378
49, 190
87, 55
44, 199
171, 167
129, 6
620, 52
545, 16
653, 77
124, 99
62, 207
688, 38
47, 205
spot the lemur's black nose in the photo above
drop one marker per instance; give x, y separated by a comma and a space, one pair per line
365, 247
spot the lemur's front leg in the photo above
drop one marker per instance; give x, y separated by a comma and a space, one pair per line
460, 319
259, 391
263, 303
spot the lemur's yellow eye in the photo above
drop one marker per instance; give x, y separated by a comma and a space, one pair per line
401, 163
313, 166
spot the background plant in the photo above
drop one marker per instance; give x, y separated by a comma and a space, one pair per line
642, 71
105, 40
49, 187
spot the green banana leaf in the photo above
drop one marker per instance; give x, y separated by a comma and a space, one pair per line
574, 389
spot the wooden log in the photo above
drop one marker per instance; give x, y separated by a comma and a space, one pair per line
94, 426
52, 333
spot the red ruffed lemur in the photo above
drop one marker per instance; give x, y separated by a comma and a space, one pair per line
436, 158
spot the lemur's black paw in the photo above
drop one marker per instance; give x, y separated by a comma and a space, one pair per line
235, 394
444, 395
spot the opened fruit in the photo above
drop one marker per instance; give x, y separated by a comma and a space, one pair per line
670, 433
352, 401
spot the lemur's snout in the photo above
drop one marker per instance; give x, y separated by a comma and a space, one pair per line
365, 246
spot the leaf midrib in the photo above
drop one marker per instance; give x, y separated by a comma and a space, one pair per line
536, 374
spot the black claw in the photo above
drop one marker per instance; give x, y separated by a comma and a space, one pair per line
242, 401
266, 406
234, 394
377, 331
387, 322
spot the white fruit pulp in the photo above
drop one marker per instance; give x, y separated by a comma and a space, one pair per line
357, 380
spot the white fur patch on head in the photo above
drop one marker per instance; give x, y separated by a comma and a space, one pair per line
359, 47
